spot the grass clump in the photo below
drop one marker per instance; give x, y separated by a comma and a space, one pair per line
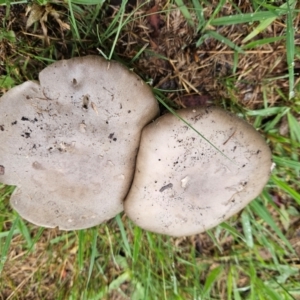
244, 58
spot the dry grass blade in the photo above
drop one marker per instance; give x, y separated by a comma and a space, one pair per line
244, 58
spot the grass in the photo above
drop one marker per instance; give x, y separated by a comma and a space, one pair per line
242, 58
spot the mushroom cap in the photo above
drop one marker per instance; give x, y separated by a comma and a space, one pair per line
70, 142
182, 185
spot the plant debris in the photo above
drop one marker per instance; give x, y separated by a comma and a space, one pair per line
154, 20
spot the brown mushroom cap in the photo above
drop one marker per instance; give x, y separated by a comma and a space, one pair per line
69, 143
184, 186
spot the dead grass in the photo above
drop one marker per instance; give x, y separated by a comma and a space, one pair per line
173, 62
169, 57
162, 50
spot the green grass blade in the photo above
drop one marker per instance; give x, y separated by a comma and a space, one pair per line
5, 249
263, 213
230, 281
233, 231
120, 25
265, 41
224, 40
215, 241
285, 187
25, 232
93, 254
290, 49
36, 238
190, 126
124, 235
116, 283
266, 112
88, 2
261, 27
211, 279
244, 18
267, 22
199, 13
286, 162
138, 54
73, 20
215, 12
247, 228
294, 126
80, 253
137, 243
185, 11
6, 233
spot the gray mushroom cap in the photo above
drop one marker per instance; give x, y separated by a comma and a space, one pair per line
182, 185
69, 142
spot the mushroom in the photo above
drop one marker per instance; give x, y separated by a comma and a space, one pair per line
183, 185
70, 142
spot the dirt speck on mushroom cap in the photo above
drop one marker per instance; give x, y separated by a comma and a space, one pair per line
69, 143
182, 185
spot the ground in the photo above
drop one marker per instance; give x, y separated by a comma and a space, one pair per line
239, 55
